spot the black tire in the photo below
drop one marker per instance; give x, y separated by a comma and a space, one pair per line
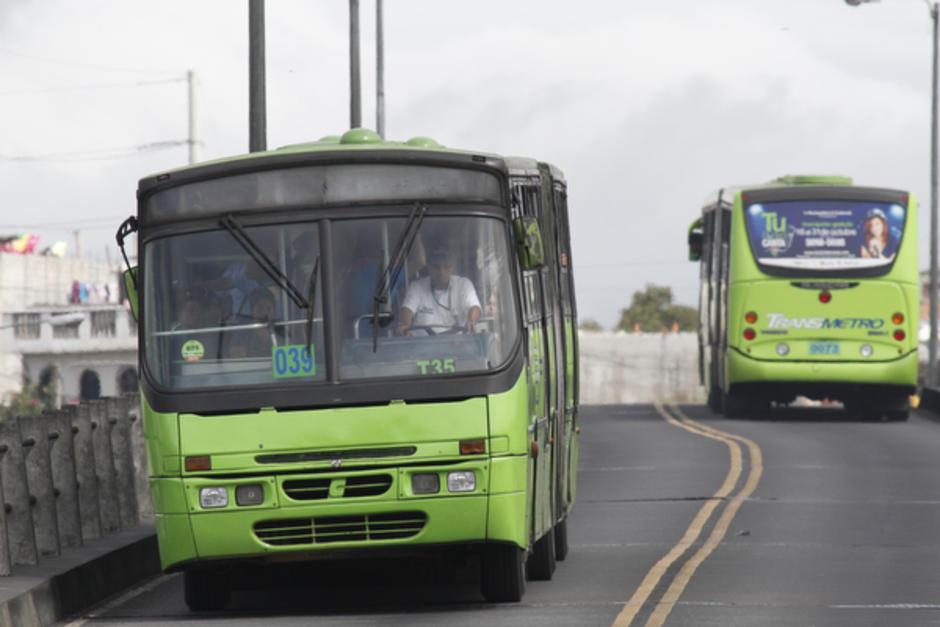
899, 415
502, 577
541, 564
561, 539
205, 590
730, 406
714, 400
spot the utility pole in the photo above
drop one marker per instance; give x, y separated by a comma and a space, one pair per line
379, 71
257, 114
191, 82
355, 99
932, 343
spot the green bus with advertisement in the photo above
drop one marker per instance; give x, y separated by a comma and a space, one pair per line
808, 287
357, 347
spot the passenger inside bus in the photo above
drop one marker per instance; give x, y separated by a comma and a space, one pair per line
440, 302
255, 342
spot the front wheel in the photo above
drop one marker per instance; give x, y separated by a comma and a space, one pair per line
503, 573
205, 590
561, 540
541, 564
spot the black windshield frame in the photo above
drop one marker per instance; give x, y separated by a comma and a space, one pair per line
823, 193
331, 391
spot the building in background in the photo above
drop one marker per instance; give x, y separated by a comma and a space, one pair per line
63, 322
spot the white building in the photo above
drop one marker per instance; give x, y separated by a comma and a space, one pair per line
61, 321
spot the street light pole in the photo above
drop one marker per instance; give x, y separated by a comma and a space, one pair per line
355, 98
931, 378
932, 343
257, 109
379, 70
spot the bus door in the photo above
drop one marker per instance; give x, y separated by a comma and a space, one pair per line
556, 333
526, 195
567, 455
722, 257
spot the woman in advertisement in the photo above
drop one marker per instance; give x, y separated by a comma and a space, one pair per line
876, 236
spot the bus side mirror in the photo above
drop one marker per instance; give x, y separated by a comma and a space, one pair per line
529, 243
696, 238
130, 285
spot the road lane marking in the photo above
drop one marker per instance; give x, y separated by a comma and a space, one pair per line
121, 600
655, 575
684, 576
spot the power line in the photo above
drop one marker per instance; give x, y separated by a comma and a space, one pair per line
64, 223
46, 90
100, 154
91, 66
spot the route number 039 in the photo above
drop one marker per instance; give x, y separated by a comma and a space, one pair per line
292, 361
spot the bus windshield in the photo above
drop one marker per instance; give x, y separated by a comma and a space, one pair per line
825, 235
215, 317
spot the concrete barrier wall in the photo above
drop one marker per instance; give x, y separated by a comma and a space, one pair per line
70, 476
639, 368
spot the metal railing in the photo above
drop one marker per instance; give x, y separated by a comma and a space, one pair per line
70, 476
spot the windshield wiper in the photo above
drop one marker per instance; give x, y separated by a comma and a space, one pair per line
312, 301
389, 276
259, 256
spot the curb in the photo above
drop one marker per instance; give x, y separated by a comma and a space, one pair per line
63, 586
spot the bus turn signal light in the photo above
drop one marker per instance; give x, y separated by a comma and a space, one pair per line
825, 297
898, 318
472, 447
749, 334
899, 335
197, 463
750, 317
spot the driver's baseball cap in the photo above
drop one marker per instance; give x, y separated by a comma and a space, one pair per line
441, 256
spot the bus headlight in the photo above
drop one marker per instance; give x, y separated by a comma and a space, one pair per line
461, 481
866, 350
425, 483
211, 498
782, 349
252, 494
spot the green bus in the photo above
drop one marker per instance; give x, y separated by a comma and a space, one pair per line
354, 348
808, 286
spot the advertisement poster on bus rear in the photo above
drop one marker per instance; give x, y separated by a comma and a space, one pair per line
831, 234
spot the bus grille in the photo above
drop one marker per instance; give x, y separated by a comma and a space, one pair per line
327, 529
347, 487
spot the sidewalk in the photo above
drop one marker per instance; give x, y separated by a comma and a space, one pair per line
62, 586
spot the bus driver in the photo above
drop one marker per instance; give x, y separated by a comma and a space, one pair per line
441, 300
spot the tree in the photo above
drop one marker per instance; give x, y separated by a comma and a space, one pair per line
652, 310
591, 326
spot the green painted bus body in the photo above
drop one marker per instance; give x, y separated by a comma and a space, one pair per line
860, 311
525, 477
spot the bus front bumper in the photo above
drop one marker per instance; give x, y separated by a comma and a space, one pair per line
284, 529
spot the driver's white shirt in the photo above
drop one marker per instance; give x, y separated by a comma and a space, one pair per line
441, 308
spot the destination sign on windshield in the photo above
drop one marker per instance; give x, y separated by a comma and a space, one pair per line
825, 234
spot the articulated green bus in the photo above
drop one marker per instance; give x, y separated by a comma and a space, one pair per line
809, 286
354, 348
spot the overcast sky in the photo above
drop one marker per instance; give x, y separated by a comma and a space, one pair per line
646, 106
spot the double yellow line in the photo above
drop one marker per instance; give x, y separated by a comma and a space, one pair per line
726, 495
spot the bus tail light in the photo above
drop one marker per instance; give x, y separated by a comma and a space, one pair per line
898, 318
866, 350
783, 349
825, 296
899, 335
749, 334
196, 463
750, 317
472, 447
